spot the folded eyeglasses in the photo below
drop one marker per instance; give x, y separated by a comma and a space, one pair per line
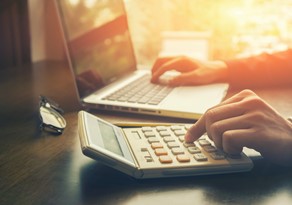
51, 116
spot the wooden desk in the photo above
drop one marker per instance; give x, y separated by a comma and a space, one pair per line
38, 168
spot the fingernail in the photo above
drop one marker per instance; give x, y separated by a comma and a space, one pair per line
187, 137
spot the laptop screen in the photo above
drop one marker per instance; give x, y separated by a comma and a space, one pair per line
98, 42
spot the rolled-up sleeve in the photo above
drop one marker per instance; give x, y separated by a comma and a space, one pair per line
262, 70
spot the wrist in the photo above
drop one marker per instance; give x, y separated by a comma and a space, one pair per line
221, 70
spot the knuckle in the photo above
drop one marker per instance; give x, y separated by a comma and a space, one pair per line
210, 115
247, 92
215, 129
253, 101
230, 144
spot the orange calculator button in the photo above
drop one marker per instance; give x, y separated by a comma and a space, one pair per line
165, 159
160, 151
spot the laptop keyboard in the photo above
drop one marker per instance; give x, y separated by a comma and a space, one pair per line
141, 91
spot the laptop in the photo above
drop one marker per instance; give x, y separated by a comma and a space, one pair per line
101, 57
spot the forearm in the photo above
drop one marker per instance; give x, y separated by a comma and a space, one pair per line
263, 70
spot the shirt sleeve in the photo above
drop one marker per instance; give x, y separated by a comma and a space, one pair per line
262, 70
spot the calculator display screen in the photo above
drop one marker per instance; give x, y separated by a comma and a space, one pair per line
109, 138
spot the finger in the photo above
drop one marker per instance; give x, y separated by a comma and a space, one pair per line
196, 131
159, 62
166, 66
180, 64
227, 109
218, 128
235, 140
224, 110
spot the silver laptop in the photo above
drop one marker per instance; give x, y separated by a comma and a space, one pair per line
101, 56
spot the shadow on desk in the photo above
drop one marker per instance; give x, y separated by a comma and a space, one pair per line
264, 183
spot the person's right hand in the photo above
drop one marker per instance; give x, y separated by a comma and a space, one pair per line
193, 72
246, 120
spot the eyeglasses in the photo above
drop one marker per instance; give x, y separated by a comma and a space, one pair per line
51, 116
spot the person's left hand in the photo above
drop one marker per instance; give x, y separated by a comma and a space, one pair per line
192, 71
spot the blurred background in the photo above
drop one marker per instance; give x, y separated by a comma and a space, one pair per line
205, 29
212, 29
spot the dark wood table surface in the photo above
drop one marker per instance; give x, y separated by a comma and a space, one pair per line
40, 168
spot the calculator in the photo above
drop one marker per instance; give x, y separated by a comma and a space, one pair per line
154, 151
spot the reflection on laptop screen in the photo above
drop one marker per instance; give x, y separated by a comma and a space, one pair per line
98, 41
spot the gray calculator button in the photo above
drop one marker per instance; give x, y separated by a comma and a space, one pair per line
217, 155
144, 149
194, 150
210, 148
148, 159
200, 157
204, 142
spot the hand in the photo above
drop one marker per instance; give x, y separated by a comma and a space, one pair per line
245, 120
193, 72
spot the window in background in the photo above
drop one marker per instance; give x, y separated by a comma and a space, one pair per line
208, 29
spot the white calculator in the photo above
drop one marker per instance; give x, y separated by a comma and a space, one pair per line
154, 151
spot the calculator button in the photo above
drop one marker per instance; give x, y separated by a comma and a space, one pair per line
175, 127
172, 144
194, 150
148, 159
168, 139
200, 157
164, 133
153, 139
156, 145
146, 129
161, 128
217, 155
183, 158
165, 159
181, 138
144, 149
189, 144
149, 134
160, 151
204, 142
177, 150
204, 136
188, 127
179, 132
210, 148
